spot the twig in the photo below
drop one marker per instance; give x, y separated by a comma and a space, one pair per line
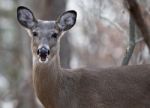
130, 49
139, 40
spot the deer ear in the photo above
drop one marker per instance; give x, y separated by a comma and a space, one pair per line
67, 20
26, 17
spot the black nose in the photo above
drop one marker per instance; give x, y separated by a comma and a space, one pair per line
43, 51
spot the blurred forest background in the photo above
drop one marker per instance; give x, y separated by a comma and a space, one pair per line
99, 39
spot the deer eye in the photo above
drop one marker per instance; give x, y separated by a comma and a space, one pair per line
54, 35
35, 34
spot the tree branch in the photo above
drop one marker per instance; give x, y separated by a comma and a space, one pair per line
130, 49
139, 15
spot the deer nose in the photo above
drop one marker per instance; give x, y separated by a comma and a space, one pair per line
43, 51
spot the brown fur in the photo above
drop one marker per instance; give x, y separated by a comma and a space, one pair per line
119, 87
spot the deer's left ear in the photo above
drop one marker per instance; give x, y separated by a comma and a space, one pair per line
67, 20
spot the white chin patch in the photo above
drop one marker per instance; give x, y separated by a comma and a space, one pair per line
43, 61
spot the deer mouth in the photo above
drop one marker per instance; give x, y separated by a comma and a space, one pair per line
43, 57
43, 60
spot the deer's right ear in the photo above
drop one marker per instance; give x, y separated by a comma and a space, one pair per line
67, 20
26, 17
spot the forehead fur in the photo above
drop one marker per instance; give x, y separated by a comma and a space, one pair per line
46, 25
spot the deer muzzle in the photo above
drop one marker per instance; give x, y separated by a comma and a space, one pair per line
43, 52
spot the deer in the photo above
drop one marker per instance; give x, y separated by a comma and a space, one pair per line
57, 87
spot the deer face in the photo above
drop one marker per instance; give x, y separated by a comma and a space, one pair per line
45, 35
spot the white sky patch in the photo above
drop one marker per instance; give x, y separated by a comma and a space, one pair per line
78, 39
72, 5
74, 62
3, 83
5, 23
146, 52
6, 4
108, 13
7, 28
8, 104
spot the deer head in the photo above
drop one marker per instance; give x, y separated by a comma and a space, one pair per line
45, 35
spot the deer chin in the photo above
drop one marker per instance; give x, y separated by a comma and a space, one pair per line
43, 59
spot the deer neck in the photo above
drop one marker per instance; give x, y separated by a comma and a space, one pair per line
45, 80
